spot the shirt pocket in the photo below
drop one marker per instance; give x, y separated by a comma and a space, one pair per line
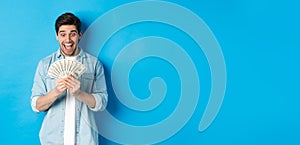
87, 82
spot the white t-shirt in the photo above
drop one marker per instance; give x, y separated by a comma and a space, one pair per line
70, 116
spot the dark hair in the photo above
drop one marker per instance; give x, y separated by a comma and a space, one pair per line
67, 19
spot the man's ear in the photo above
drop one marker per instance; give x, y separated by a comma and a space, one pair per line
56, 36
80, 34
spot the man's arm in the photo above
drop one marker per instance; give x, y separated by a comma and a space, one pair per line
44, 102
86, 98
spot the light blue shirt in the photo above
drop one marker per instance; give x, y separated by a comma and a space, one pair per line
92, 82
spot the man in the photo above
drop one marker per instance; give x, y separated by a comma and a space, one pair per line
53, 95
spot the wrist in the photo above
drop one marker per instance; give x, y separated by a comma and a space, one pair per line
57, 92
77, 93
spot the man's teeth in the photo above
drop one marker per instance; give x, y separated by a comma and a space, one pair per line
68, 44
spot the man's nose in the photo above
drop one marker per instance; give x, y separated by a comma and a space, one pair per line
68, 37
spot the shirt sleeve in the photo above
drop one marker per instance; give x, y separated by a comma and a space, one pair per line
38, 88
99, 89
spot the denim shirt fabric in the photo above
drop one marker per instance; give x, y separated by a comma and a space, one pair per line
92, 82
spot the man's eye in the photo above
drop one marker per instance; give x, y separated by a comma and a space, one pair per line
62, 35
73, 34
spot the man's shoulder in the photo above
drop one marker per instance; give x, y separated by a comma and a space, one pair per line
90, 56
49, 58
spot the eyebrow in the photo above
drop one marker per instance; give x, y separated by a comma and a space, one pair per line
62, 31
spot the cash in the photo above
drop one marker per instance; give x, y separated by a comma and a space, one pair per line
65, 67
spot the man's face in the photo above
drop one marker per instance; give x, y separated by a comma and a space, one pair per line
68, 38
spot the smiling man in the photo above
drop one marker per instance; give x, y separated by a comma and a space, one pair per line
69, 102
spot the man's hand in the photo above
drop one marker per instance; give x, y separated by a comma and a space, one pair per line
73, 85
60, 86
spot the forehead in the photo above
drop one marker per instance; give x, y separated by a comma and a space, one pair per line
67, 28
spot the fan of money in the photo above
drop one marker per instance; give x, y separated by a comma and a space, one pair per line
65, 67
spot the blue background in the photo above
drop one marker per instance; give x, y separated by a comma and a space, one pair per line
260, 44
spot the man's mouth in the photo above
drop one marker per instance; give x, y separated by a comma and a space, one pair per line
68, 46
